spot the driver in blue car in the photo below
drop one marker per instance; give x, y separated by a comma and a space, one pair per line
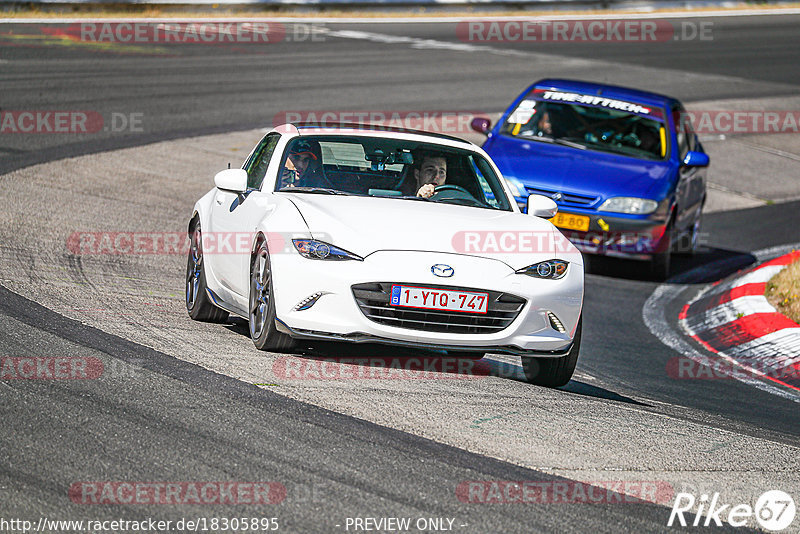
430, 170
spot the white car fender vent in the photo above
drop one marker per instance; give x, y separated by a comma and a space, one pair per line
307, 302
555, 323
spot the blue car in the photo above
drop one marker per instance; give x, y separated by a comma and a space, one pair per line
624, 166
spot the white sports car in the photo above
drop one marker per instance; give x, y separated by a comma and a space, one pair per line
367, 234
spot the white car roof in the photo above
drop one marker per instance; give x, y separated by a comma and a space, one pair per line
370, 130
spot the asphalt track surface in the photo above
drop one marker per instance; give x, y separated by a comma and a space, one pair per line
162, 417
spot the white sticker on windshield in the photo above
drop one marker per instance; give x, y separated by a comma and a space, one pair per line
523, 113
596, 101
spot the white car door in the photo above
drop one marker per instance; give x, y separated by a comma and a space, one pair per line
234, 218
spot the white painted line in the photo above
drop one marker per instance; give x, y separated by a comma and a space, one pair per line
782, 345
653, 314
654, 318
770, 150
717, 137
774, 252
761, 256
760, 275
420, 44
770, 352
726, 313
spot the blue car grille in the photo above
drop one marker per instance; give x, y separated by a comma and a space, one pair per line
569, 199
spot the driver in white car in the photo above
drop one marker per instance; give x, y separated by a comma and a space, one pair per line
430, 170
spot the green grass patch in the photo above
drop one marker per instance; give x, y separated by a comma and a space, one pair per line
783, 291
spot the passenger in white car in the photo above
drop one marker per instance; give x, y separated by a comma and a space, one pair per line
304, 165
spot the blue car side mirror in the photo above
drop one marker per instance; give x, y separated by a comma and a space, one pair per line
696, 159
481, 125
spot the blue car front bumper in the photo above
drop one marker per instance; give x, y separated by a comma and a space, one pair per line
630, 237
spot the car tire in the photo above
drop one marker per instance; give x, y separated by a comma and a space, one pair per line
660, 264
198, 303
689, 242
553, 372
261, 309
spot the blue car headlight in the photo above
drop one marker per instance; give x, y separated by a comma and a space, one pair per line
550, 269
319, 250
633, 205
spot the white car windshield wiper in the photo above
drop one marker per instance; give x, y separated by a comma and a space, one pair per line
318, 190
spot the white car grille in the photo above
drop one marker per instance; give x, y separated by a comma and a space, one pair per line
373, 300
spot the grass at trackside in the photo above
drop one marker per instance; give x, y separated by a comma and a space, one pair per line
783, 291
134, 11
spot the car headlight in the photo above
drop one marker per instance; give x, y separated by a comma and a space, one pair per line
550, 269
319, 250
639, 206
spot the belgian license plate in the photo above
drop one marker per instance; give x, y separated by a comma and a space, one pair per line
439, 299
570, 221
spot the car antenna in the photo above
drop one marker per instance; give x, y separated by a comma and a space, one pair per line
229, 164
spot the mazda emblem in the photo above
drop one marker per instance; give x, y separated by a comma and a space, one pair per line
442, 270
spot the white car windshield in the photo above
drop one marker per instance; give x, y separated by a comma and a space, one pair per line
390, 168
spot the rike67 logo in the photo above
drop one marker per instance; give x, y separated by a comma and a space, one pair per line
774, 511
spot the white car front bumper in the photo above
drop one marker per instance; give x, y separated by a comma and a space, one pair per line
337, 315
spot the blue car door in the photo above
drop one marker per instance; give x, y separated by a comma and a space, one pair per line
691, 180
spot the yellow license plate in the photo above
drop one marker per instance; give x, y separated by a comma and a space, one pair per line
570, 221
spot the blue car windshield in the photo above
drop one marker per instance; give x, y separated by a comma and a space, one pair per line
590, 122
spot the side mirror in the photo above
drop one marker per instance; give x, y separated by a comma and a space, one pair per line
696, 159
542, 206
481, 125
234, 180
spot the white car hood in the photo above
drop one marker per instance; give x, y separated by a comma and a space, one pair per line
363, 225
